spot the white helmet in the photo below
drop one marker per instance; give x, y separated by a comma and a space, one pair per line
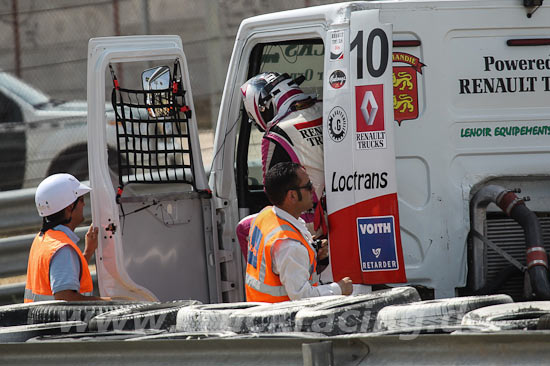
56, 192
268, 97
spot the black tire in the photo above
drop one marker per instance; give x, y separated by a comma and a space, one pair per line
271, 318
17, 314
353, 314
439, 313
75, 162
185, 335
521, 315
151, 316
75, 310
93, 336
13, 150
307, 335
209, 317
413, 332
21, 333
544, 322
79, 168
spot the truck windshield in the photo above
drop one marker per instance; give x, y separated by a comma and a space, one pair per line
296, 58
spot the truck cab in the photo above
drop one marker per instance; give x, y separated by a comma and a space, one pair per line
469, 89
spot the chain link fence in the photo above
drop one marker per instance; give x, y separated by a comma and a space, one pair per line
43, 55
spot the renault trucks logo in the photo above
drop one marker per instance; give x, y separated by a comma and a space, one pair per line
377, 244
337, 79
369, 108
337, 124
405, 86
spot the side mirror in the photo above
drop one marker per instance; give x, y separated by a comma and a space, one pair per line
156, 78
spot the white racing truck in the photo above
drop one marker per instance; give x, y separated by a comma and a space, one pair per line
435, 118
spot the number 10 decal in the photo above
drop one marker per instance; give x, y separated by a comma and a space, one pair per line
384, 56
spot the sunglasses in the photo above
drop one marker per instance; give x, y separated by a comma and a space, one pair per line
308, 186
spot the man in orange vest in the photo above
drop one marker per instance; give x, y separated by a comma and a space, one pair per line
281, 260
57, 268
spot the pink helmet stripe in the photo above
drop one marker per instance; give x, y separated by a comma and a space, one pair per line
283, 98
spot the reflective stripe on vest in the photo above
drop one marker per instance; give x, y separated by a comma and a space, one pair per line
266, 289
262, 283
38, 287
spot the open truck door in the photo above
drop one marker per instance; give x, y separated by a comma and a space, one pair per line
360, 171
155, 216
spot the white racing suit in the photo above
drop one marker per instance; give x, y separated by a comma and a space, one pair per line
298, 137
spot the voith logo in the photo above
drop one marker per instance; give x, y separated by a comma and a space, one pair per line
377, 243
369, 108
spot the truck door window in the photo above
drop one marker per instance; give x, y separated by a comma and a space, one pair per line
296, 58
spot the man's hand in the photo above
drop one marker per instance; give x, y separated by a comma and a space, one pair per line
90, 242
71, 295
346, 286
322, 253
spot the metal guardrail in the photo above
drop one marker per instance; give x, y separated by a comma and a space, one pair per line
14, 252
358, 350
18, 212
15, 209
13, 293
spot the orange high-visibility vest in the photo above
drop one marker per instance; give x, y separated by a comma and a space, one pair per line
261, 283
43, 248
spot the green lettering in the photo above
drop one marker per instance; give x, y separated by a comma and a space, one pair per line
306, 50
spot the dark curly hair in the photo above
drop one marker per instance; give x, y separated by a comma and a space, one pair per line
281, 178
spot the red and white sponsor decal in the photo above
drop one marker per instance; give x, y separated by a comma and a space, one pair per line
311, 131
337, 79
369, 101
336, 46
370, 129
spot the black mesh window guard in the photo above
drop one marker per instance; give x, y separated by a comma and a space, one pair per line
153, 139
